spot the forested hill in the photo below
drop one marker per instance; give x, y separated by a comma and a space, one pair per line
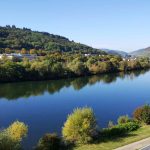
17, 38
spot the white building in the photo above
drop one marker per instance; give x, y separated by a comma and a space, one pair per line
18, 56
9, 56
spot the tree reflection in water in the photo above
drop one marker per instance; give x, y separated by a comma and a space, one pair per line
13, 91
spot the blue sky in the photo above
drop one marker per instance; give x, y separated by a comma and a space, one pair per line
114, 24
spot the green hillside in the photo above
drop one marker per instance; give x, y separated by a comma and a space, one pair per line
17, 38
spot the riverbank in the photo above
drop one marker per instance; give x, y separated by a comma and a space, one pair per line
110, 144
62, 66
81, 76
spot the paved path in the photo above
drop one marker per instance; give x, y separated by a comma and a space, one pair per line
142, 145
146, 148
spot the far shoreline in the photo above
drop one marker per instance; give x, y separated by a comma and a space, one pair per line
75, 77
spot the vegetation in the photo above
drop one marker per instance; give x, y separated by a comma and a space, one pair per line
110, 124
10, 138
80, 126
7, 143
112, 143
142, 114
142, 52
123, 119
50, 142
81, 129
120, 129
17, 130
57, 57
25, 40
65, 65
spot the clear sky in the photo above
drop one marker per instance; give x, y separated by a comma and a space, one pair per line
114, 24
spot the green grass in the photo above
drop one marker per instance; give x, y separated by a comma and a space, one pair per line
110, 144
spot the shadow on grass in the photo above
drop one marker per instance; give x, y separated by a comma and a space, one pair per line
119, 138
103, 139
115, 134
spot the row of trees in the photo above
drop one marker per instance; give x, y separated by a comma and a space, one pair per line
80, 128
65, 65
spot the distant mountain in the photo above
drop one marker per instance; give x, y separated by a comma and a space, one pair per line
116, 52
142, 52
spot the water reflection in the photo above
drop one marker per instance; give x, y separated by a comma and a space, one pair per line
13, 91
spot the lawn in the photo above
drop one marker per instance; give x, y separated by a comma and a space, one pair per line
110, 144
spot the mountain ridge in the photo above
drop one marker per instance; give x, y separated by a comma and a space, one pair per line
115, 52
145, 52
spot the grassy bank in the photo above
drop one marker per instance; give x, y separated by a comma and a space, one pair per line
109, 144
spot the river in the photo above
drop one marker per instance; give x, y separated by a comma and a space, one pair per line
44, 106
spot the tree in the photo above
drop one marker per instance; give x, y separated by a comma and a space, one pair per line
7, 50
133, 64
7, 143
110, 124
10, 138
123, 66
146, 114
11, 71
77, 67
137, 114
23, 51
142, 114
57, 70
80, 126
17, 131
33, 51
123, 119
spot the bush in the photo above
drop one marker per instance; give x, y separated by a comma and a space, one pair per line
49, 142
146, 114
80, 126
10, 138
110, 124
7, 143
137, 114
130, 126
120, 129
123, 119
17, 131
142, 114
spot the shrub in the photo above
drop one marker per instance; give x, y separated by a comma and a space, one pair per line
10, 138
120, 129
7, 143
142, 114
17, 131
49, 142
123, 119
110, 124
130, 126
137, 114
146, 114
80, 126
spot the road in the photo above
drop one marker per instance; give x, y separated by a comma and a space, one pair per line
146, 148
140, 145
